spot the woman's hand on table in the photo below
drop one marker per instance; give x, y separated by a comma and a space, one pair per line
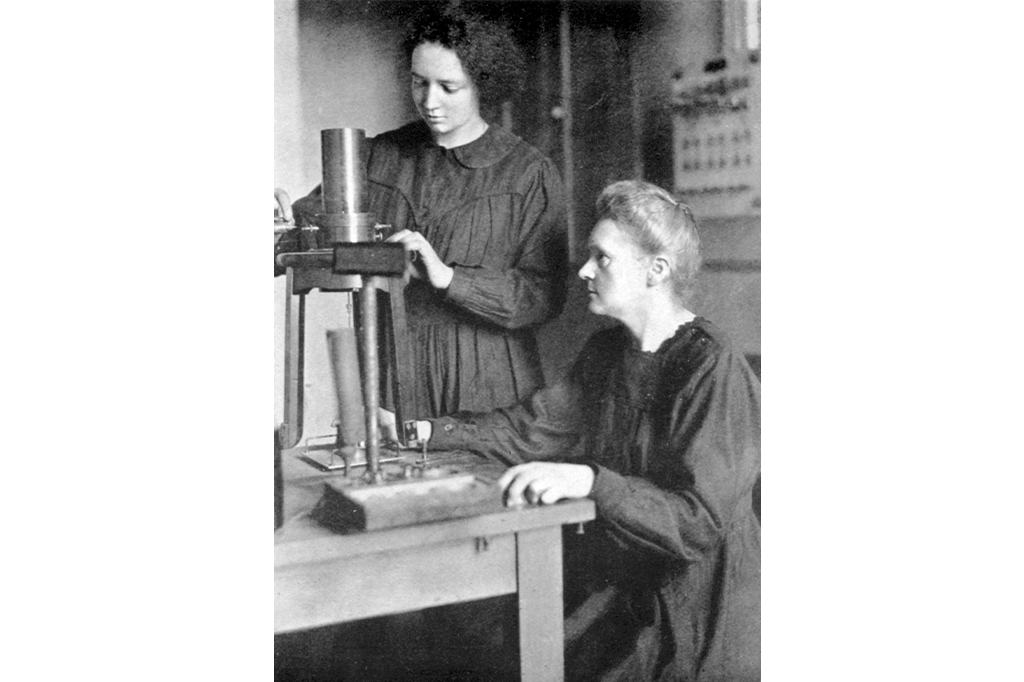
545, 483
428, 266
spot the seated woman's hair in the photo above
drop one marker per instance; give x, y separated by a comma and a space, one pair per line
658, 224
485, 47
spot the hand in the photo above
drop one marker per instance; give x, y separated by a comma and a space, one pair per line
545, 483
386, 424
388, 428
429, 265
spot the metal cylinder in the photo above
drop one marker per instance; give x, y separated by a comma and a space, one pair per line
342, 352
344, 174
347, 227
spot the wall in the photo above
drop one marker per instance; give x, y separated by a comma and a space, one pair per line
624, 58
337, 64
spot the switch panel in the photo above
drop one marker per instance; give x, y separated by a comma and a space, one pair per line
717, 138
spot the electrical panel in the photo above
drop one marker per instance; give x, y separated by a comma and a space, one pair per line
717, 137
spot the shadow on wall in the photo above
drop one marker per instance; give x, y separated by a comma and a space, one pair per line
562, 339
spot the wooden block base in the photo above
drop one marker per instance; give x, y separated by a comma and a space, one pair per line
353, 505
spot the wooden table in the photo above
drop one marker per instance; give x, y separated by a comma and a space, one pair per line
322, 578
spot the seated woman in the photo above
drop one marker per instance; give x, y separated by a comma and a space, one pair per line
659, 423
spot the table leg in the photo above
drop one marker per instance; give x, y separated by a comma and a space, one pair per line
541, 636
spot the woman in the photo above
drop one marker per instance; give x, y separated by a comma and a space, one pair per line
665, 583
484, 211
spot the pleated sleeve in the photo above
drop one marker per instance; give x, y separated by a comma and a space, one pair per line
532, 290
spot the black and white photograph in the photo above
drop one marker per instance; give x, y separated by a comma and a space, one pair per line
517, 340
512, 346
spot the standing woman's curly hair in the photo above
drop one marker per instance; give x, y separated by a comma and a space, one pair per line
485, 47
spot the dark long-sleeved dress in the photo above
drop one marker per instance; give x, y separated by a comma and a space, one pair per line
494, 210
665, 583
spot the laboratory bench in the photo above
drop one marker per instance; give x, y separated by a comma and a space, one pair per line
324, 577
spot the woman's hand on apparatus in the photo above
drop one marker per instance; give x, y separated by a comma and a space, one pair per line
545, 483
386, 424
388, 427
428, 266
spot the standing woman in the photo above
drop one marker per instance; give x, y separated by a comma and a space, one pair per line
483, 210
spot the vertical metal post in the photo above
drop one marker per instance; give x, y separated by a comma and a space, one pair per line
278, 481
401, 357
371, 378
294, 341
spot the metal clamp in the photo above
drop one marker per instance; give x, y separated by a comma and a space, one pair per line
381, 232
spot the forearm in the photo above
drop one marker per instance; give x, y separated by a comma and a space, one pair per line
545, 426
511, 298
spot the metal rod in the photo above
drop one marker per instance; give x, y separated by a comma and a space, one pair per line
294, 348
371, 378
278, 481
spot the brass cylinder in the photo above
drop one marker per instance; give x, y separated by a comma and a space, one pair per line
347, 227
344, 174
342, 350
